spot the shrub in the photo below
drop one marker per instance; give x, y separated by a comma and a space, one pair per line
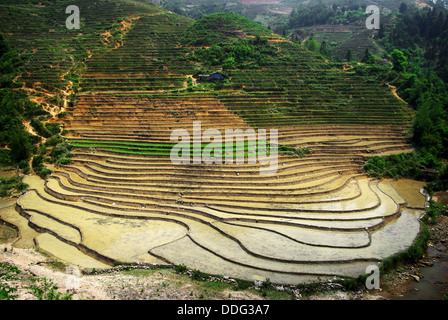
44, 173
20, 145
8, 273
53, 128
440, 184
37, 162
198, 275
4, 157
180, 268
40, 128
53, 141
60, 153
8, 186
413, 165
46, 289
239, 54
435, 209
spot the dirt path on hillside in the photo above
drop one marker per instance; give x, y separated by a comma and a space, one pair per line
394, 92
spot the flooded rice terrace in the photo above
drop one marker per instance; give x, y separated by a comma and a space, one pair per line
331, 237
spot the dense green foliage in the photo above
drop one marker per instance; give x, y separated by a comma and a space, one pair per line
418, 73
19, 147
9, 62
17, 144
60, 153
322, 48
411, 165
424, 34
340, 12
14, 108
9, 185
240, 54
418, 46
440, 184
435, 210
219, 27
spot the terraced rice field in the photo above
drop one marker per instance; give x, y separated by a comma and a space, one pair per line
318, 215
315, 216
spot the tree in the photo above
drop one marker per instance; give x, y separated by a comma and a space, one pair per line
431, 128
311, 45
348, 56
324, 49
3, 45
399, 60
381, 31
229, 63
20, 146
368, 58
403, 7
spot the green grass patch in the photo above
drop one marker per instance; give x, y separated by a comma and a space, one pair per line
138, 272
8, 273
42, 288
433, 211
12, 185
244, 148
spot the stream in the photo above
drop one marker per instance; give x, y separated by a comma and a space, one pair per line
433, 285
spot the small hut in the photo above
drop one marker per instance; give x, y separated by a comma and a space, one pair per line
216, 76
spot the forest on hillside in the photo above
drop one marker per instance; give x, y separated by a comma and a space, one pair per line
416, 45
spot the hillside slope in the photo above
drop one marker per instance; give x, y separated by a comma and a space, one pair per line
120, 200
